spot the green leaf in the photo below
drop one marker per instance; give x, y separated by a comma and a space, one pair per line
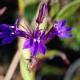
68, 10
76, 77
26, 74
54, 9
50, 54
27, 2
47, 69
30, 11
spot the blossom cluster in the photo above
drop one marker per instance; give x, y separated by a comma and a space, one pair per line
35, 38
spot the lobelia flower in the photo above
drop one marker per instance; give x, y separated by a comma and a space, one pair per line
35, 39
61, 30
35, 42
9, 33
38, 39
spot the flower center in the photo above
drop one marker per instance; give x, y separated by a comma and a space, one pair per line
36, 39
55, 25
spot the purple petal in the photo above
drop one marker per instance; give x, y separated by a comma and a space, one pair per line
42, 48
62, 23
34, 48
64, 35
37, 32
28, 43
43, 33
49, 35
5, 27
65, 29
16, 23
59, 24
3, 34
21, 33
8, 39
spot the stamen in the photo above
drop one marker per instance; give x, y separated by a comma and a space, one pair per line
29, 29
23, 27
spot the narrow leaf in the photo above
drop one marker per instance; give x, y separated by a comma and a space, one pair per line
27, 2
54, 9
68, 10
49, 54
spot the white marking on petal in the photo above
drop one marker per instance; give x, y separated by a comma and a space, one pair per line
38, 39
12, 33
55, 25
12, 26
34, 40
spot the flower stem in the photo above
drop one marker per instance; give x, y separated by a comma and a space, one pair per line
13, 66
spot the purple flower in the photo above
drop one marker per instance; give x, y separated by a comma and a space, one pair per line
42, 12
9, 33
61, 30
35, 42
35, 39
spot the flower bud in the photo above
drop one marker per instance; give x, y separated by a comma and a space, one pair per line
42, 12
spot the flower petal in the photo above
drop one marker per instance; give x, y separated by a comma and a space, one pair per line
2, 34
49, 35
62, 23
42, 48
37, 32
20, 33
43, 33
59, 24
5, 27
28, 43
16, 23
34, 48
8, 39
64, 35
65, 29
